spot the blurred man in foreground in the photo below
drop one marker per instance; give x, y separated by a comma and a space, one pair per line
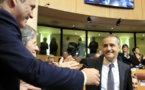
18, 63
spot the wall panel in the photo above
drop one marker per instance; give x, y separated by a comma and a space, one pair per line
78, 6
43, 2
65, 5
135, 13
87, 9
143, 9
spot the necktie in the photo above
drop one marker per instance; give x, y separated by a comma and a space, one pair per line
110, 78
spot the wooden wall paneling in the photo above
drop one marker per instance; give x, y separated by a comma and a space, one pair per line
44, 2
93, 10
65, 5
135, 14
79, 6
143, 9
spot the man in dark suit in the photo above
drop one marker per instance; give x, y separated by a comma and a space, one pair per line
121, 71
16, 62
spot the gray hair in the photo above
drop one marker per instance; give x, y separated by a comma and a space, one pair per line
28, 33
118, 39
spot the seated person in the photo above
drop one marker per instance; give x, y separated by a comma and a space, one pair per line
99, 53
126, 56
50, 59
29, 39
138, 58
134, 82
64, 55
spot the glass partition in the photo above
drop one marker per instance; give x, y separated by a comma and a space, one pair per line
98, 37
140, 42
49, 33
126, 38
74, 42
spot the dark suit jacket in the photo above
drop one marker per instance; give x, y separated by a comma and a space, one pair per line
16, 62
137, 62
124, 73
126, 60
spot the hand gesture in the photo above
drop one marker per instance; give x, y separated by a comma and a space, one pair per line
69, 63
93, 76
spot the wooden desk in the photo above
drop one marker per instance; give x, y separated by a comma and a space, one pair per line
139, 71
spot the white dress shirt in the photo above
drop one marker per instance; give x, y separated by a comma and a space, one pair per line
104, 75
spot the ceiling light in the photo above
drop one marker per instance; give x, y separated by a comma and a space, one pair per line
73, 26
118, 22
89, 20
47, 4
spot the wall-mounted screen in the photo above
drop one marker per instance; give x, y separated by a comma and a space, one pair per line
113, 3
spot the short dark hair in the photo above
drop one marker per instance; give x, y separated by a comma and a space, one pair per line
124, 45
134, 49
134, 76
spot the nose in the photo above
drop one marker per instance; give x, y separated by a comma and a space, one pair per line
36, 48
31, 14
108, 48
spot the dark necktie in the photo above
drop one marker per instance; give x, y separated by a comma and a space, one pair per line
110, 78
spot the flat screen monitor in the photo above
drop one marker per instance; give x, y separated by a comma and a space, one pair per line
113, 3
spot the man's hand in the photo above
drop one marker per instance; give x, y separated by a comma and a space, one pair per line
92, 75
69, 58
69, 63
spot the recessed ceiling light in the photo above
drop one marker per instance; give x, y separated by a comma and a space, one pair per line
73, 26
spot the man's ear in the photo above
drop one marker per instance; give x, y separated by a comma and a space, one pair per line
119, 47
14, 3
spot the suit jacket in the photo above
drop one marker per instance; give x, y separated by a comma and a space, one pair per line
128, 61
124, 73
137, 62
16, 62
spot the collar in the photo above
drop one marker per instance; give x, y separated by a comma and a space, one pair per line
107, 63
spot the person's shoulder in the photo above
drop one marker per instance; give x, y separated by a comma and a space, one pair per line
8, 19
123, 64
94, 60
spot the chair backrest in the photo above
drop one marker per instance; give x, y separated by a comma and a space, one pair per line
140, 76
41, 57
